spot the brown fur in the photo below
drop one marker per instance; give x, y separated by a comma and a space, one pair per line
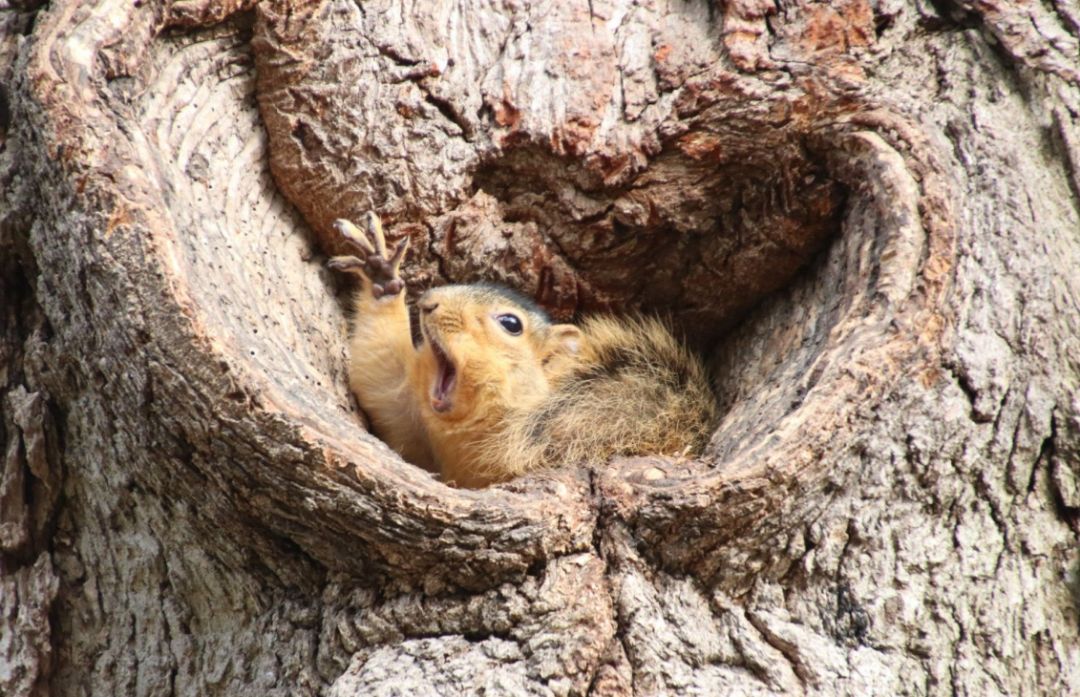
554, 394
634, 390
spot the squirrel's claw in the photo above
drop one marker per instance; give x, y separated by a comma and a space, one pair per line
353, 236
371, 259
399, 254
374, 226
346, 263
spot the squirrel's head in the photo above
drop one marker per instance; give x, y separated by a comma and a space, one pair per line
486, 348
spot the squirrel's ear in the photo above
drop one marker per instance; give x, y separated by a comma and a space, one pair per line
563, 339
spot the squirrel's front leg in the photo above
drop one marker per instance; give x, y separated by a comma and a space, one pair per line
381, 354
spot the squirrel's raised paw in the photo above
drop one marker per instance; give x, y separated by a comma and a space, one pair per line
371, 259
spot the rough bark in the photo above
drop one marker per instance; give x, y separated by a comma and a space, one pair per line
865, 212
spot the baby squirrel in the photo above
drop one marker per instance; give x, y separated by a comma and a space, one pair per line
495, 389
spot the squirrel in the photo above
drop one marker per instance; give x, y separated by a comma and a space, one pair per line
494, 389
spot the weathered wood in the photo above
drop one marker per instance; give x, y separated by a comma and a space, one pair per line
865, 213
611, 169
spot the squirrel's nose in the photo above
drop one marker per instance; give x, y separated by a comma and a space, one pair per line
427, 305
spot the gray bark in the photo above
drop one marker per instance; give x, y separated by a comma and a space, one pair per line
866, 213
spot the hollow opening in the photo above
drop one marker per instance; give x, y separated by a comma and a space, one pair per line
716, 241
727, 229
699, 236
709, 227
719, 242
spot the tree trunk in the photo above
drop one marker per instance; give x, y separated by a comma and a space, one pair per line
865, 213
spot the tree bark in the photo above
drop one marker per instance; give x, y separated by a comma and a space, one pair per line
865, 213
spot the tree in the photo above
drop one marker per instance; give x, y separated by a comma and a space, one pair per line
865, 212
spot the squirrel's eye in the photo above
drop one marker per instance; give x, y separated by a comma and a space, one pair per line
510, 323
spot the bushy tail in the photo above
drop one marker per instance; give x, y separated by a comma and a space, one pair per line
638, 391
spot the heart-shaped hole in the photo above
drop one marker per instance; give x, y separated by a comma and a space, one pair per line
231, 279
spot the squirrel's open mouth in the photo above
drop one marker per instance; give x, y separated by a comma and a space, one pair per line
445, 379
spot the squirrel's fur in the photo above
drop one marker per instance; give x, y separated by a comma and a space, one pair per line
483, 404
